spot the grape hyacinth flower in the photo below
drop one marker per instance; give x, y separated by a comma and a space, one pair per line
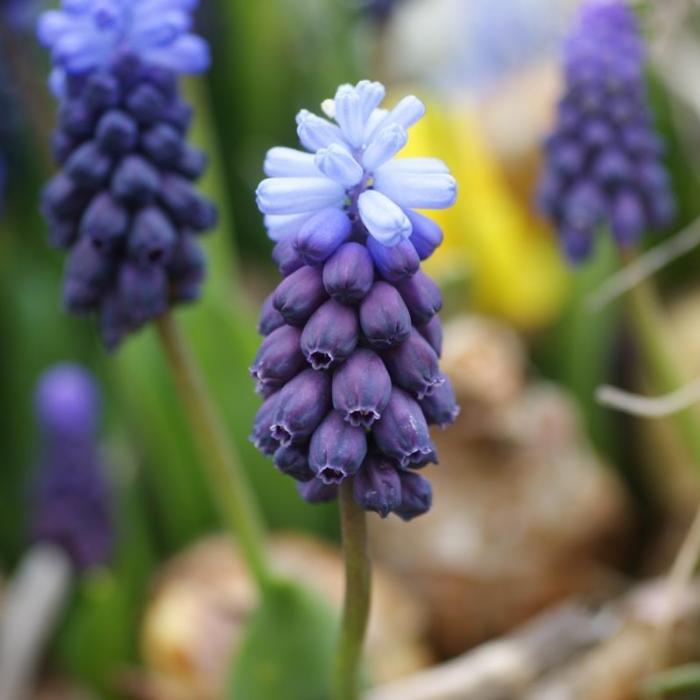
71, 497
71, 524
123, 203
349, 365
603, 163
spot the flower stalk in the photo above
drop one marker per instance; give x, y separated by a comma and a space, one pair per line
346, 675
225, 473
645, 315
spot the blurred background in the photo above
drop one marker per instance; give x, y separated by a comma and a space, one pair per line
547, 506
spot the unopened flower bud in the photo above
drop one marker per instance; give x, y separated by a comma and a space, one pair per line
413, 365
349, 273
321, 235
377, 486
299, 295
416, 496
293, 460
422, 297
384, 317
402, 432
440, 407
278, 360
315, 491
394, 263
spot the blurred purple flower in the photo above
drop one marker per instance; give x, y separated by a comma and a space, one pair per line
71, 499
123, 203
603, 163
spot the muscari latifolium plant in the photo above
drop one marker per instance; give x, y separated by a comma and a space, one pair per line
349, 366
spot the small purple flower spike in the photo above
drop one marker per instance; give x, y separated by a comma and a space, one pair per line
71, 498
355, 305
67, 404
123, 203
604, 142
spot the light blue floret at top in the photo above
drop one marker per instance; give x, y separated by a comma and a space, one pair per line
84, 35
351, 165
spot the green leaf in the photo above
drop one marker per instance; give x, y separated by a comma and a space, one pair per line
288, 648
675, 680
579, 351
96, 638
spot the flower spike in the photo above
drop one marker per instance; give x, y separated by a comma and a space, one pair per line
349, 365
123, 203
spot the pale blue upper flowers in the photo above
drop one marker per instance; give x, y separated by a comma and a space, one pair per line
88, 34
350, 166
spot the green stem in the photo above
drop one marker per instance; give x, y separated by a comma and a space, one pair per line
225, 474
646, 316
357, 597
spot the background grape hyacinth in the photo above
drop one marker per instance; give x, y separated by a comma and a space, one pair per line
123, 202
603, 163
349, 366
71, 496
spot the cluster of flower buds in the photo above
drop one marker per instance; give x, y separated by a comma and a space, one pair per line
604, 160
349, 365
71, 497
123, 202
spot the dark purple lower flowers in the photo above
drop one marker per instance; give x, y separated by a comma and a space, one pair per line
351, 385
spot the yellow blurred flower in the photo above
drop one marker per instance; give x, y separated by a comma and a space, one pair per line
508, 262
